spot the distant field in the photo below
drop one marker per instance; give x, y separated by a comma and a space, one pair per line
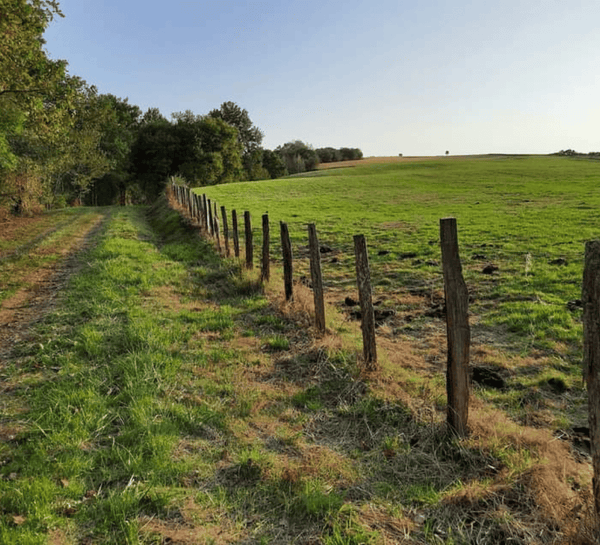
405, 159
528, 216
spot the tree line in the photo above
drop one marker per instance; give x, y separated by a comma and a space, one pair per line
62, 142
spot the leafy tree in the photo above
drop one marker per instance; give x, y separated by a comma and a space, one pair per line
152, 115
152, 156
273, 163
298, 156
249, 136
202, 149
26, 74
118, 124
328, 155
350, 154
332, 155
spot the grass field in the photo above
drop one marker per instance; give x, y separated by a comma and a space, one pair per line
168, 398
529, 217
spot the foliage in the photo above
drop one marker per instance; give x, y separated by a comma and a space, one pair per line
273, 164
202, 149
332, 155
26, 74
119, 128
54, 123
298, 156
249, 136
152, 155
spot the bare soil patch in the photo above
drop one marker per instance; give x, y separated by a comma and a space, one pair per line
31, 304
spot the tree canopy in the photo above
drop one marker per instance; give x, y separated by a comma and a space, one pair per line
62, 141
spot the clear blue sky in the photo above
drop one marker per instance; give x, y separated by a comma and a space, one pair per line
389, 77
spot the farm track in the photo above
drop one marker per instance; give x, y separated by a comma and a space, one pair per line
31, 304
31, 244
293, 419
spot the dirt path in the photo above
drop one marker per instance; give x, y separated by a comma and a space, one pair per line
30, 305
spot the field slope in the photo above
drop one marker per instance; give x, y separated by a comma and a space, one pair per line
167, 399
522, 221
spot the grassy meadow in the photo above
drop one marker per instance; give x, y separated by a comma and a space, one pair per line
170, 398
526, 216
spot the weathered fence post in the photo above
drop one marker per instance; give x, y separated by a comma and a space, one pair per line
249, 248
316, 277
225, 230
457, 327
288, 267
363, 280
211, 225
216, 228
265, 271
591, 354
199, 210
236, 235
205, 213
196, 209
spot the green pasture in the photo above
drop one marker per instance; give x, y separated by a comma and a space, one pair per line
165, 398
527, 215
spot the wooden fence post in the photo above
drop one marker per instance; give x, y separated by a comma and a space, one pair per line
199, 210
363, 280
249, 248
205, 213
316, 277
196, 209
216, 228
288, 267
225, 230
457, 327
211, 225
265, 271
236, 235
591, 354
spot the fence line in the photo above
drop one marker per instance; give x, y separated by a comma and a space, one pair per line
456, 299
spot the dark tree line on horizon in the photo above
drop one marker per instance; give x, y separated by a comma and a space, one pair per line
62, 142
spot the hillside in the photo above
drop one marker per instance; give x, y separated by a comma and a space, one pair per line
168, 398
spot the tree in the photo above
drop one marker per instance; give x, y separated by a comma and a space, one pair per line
298, 156
26, 74
119, 125
328, 155
204, 150
152, 156
274, 164
332, 155
249, 136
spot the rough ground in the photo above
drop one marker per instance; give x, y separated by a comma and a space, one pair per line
539, 489
29, 305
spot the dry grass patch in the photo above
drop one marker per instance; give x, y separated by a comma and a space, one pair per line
193, 525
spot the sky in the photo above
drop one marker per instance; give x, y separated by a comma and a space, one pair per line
389, 77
